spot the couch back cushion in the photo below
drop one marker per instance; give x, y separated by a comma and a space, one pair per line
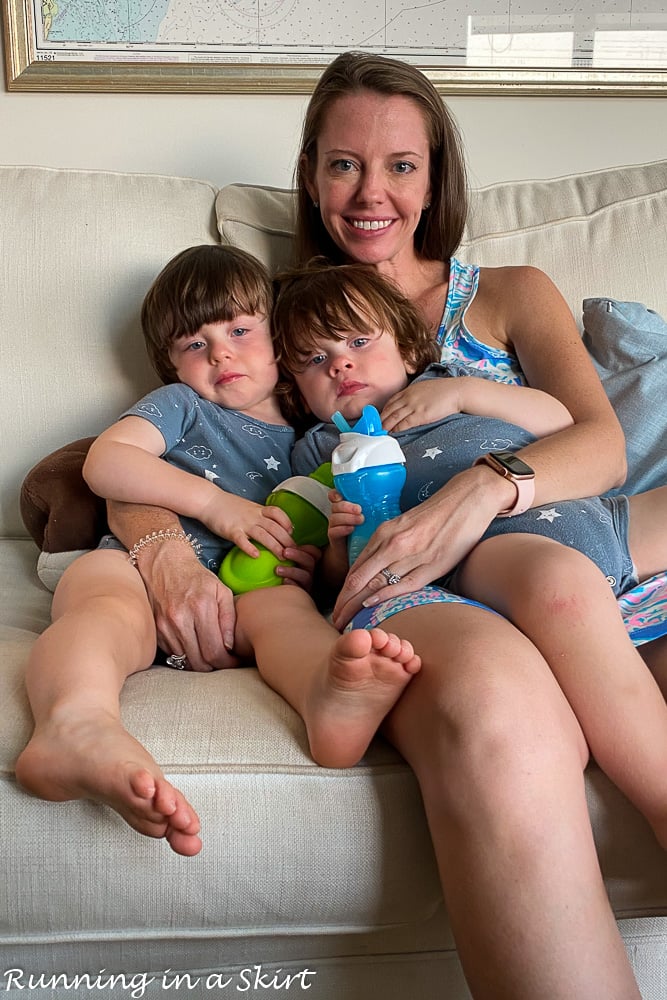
80, 249
596, 234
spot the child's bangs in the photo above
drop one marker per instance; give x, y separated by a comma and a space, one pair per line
333, 318
230, 296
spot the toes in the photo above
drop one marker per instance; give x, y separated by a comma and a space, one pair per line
165, 798
183, 843
143, 785
386, 643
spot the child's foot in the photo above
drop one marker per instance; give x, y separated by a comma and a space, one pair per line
99, 760
367, 671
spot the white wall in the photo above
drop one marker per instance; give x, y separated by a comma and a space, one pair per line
224, 138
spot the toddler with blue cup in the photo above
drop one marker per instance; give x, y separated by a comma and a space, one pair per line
347, 336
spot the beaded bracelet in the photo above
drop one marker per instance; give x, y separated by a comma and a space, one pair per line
163, 535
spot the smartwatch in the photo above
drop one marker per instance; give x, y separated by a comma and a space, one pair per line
511, 467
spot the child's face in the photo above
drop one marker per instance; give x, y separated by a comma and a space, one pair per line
346, 375
231, 363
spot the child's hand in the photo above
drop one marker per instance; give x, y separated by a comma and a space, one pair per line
343, 519
302, 573
244, 523
422, 403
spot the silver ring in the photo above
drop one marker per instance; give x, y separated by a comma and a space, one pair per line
391, 577
177, 662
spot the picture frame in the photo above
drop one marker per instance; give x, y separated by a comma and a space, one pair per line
32, 63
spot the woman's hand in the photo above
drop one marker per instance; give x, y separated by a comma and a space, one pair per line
194, 611
424, 543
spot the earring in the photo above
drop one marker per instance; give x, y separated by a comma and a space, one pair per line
316, 204
426, 207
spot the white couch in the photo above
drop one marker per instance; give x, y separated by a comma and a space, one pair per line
303, 868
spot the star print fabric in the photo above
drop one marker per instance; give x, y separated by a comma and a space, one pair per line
241, 455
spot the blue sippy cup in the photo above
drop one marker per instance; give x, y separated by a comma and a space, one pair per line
368, 468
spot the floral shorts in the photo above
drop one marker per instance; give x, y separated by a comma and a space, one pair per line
643, 607
372, 617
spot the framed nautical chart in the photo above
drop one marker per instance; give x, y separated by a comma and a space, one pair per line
615, 47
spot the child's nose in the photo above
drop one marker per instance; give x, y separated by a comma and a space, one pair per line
218, 352
340, 364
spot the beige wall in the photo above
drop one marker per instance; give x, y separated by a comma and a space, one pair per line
223, 138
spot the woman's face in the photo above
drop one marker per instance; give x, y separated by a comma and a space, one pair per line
372, 176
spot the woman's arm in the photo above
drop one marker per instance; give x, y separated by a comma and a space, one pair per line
519, 309
535, 323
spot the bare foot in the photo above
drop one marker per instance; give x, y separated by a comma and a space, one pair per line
99, 760
366, 673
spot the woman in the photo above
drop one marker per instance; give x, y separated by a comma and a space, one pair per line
496, 749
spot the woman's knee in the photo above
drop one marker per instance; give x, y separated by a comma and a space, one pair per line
484, 700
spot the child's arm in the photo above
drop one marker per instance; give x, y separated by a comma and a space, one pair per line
124, 464
433, 399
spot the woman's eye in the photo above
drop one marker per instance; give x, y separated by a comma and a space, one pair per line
343, 166
404, 167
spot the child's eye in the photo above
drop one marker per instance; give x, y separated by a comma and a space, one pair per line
239, 331
315, 360
359, 341
195, 345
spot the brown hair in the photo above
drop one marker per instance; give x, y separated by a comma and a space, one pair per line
323, 301
203, 284
441, 226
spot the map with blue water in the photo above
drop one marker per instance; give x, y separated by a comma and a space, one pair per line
432, 32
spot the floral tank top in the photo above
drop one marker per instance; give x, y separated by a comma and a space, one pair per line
458, 346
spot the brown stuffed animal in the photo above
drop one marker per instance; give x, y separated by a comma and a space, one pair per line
58, 509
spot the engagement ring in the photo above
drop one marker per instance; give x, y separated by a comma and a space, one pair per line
177, 662
391, 577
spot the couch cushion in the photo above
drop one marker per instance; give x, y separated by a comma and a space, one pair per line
24, 601
76, 314
259, 220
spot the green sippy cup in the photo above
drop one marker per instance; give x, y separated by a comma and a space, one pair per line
305, 500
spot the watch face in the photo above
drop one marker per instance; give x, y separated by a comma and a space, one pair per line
514, 465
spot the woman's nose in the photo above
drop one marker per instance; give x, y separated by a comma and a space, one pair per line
370, 187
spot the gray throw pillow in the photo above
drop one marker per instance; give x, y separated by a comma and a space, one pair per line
628, 345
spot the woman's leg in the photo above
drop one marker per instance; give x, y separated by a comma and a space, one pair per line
559, 598
342, 686
499, 758
102, 632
